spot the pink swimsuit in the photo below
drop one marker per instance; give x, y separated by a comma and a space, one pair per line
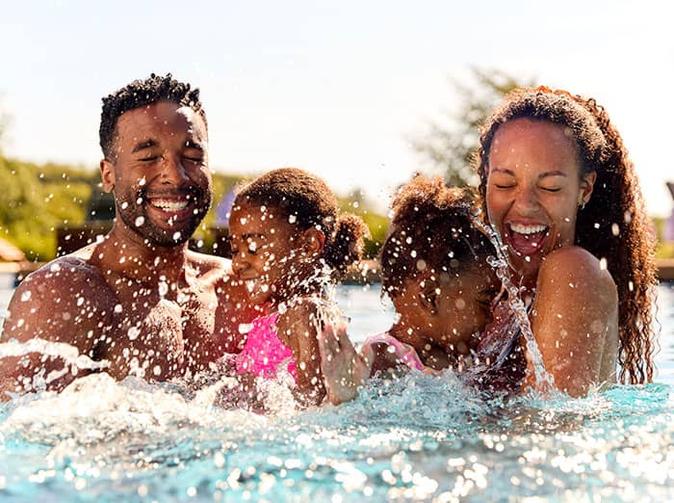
264, 354
402, 351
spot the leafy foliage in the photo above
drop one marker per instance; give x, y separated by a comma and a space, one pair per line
451, 144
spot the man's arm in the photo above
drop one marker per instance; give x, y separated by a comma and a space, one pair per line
67, 302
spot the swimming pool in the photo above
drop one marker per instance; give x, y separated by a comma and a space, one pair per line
418, 439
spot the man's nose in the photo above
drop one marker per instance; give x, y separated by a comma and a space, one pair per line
173, 170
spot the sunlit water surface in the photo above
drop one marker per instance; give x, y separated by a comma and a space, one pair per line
420, 438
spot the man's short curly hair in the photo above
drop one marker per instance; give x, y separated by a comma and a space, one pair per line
140, 93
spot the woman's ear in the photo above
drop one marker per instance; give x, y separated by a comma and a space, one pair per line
586, 187
107, 175
313, 240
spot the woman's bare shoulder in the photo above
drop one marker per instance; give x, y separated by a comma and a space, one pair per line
575, 268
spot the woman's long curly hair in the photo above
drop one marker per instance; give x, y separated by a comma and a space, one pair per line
613, 224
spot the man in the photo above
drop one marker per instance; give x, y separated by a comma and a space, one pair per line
139, 301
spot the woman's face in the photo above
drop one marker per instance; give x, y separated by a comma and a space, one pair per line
534, 190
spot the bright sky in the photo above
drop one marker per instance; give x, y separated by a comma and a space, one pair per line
337, 87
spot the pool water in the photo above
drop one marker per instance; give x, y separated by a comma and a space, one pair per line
420, 438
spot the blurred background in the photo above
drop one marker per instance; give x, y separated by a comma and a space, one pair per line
364, 94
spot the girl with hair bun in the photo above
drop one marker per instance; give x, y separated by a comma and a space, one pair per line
288, 243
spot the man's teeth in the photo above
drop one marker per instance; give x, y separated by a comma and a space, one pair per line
527, 229
167, 205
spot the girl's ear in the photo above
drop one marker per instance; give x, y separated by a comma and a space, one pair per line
428, 295
313, 240
107, 175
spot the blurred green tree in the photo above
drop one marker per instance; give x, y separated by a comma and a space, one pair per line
451, 143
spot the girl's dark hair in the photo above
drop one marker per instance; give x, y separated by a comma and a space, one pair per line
613, 224
310, 202
431, 229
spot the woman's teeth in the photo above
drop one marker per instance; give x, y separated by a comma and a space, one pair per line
527, 229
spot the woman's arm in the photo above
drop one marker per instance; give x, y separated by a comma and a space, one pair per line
575, 320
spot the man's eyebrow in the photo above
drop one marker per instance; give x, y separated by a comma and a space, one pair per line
143, 145
194, 145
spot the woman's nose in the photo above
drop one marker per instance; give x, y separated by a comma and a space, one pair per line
527, 200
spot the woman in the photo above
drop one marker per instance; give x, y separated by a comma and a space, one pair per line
562, 194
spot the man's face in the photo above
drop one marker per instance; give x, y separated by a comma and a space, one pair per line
159, 172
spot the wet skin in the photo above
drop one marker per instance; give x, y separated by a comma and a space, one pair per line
534, 190
440, 316
277, 261
139, 299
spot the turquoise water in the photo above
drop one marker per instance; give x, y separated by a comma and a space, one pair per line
421, 438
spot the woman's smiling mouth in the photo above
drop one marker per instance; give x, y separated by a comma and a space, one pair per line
526, 239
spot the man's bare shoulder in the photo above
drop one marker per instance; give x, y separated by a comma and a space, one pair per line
55, 301
77, 268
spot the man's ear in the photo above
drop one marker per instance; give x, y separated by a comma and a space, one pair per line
107, 175
313, 240
587, 186
428, 295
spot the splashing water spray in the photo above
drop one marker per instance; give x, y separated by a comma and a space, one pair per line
501, 265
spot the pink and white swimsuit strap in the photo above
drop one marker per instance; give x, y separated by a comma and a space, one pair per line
401, 350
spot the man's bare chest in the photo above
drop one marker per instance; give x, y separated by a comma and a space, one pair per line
159, 334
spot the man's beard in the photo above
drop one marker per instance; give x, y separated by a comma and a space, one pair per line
135, 217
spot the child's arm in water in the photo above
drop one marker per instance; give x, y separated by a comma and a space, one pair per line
298, 329
345, 370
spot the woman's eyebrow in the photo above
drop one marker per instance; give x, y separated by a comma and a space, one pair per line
503, 170
552, 173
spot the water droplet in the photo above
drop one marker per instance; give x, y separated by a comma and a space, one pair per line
25, 296
176, 236
139, 221
292, 219
133, 333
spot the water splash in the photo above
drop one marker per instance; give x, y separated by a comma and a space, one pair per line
66, 352
501, 265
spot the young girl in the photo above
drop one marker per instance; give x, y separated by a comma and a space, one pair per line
435, 271
288, 244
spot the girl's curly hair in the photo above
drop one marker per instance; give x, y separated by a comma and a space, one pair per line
431, 229
613, 224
